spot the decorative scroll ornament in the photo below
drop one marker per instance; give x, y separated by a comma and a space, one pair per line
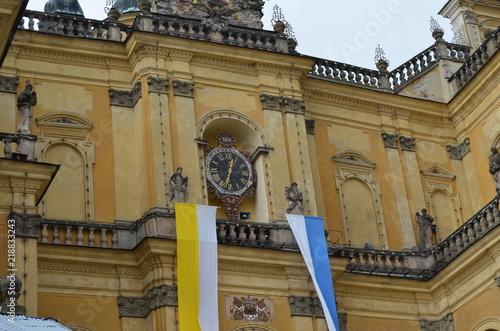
444, 324
407, 143
125, 98
457, 152
159, 296
305, 306
249, 309
380, 55
271, 102
26, 224
292, 105
390, 139
8, 84
157, 85
183, 89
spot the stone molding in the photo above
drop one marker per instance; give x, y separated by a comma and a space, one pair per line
390, 139
8, 84
293, 105
305, 306
457, 152
157, 85
444, 324
125, 98
310, 126
271, 102
224, 63
26, 224
407, 143
156, 297
183, 88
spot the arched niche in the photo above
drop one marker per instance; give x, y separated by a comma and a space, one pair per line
252, 139
443, 202
72, 187
490, 324
360, 199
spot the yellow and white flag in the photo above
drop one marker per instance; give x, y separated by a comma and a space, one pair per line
197, 267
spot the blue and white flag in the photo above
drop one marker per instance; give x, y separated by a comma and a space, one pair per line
310, 236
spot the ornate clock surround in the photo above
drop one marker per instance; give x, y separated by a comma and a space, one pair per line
230, 174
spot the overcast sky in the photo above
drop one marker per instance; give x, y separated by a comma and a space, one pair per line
343, 30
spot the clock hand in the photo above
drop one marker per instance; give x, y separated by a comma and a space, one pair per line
229, 171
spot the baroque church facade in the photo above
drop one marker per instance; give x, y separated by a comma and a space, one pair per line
106, 124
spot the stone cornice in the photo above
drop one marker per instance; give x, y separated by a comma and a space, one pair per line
223, 63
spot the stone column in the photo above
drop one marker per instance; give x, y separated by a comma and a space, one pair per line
456, 153
399, 189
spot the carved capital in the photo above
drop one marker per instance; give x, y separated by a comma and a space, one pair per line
8, 84
407, 143
182, 88
157, 85
310, 126
305, 306
292, 105
497, 281
125, 98
26, 225
458, 152
156, 297
390, 139
444, 324
342, 321
271, 102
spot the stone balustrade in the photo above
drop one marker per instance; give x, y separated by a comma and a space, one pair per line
73, 26
160, 223
423, 265
345, 73
476, 60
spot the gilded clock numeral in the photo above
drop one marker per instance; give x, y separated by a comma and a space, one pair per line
245, 173
214, 162
220, 157
229, 156
213, 170
244, 181
230, 187
238, 187
223, 184
243, 165
216, 177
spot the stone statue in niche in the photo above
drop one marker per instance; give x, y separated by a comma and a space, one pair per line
495, 167
25, 101
425, 228
294, 198
178, 187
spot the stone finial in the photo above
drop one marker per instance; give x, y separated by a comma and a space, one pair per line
278, 20
390, 139
113, 14
437, 31
11, 288
110, 4
380, 60
145, 6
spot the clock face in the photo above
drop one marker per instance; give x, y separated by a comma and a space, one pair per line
229, 171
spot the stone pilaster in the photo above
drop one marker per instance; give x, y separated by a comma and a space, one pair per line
398, 185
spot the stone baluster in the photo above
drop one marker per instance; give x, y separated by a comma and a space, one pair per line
91, 236
397, 262
44, 233
232, 233
243, 234
489, 217
222, 232
446, 251
31, 23
60, 26
471, 232
361, 257
51, 26
453, 246
352, 258
477, 225
406, 263
71, 28
80, 30
114, 239
496, 212
371, 261
252, 235
104, 237
465, 237
79, 236
56, 235
378, 259
459, 242
484, 223
388, 262
41, 23
68, 234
